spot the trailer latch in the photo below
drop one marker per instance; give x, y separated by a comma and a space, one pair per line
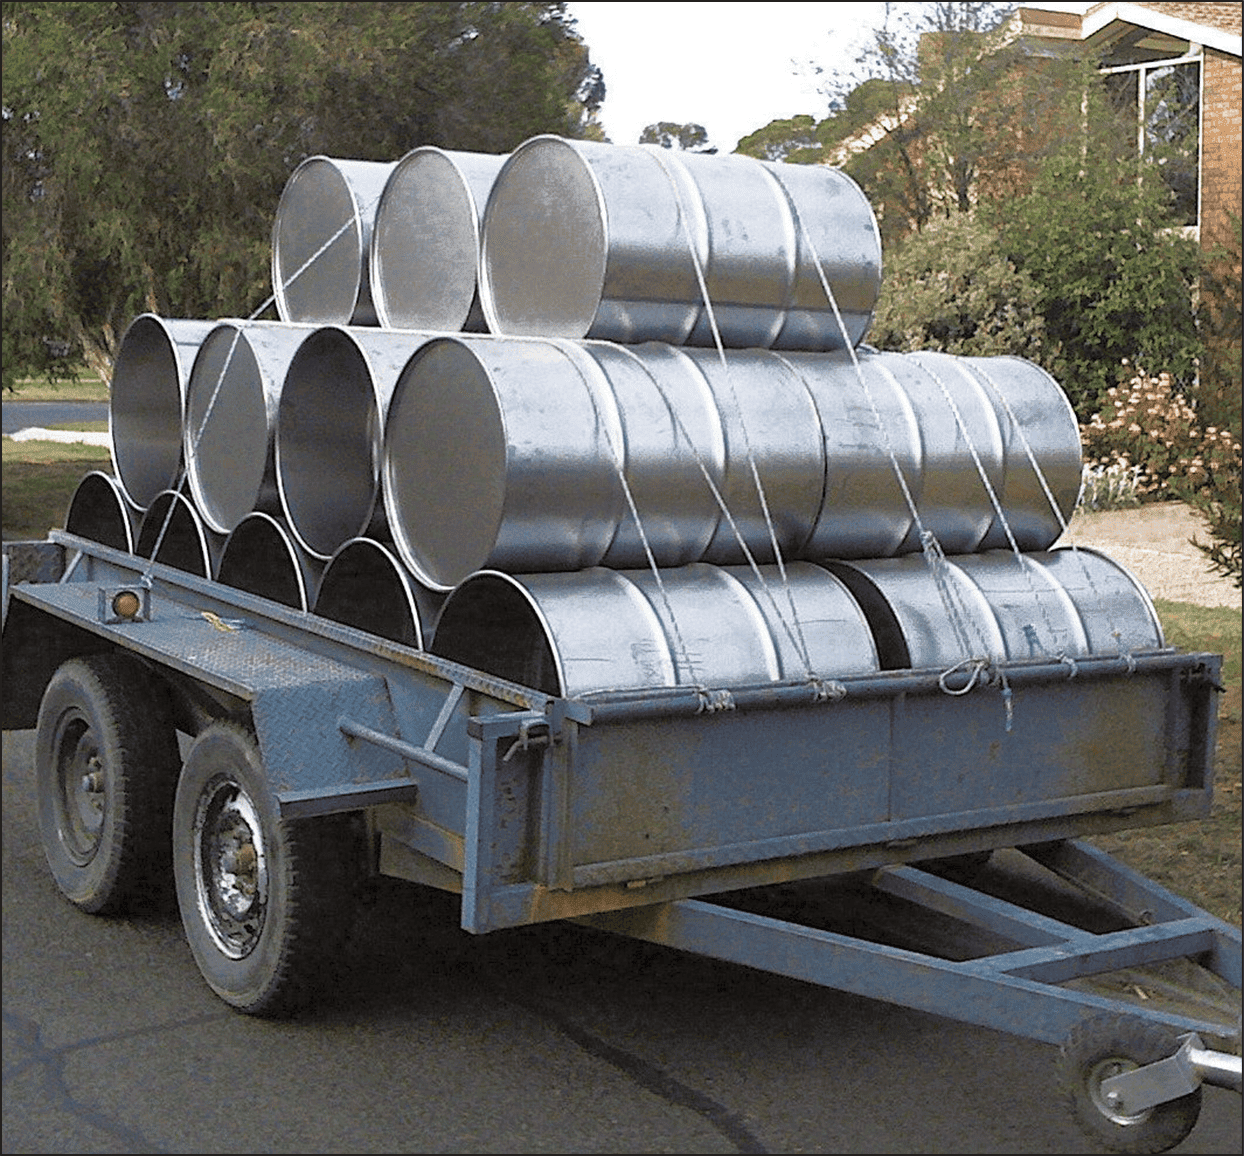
526, 739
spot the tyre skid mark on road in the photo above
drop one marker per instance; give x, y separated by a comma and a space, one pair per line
647, 1075
28, 1040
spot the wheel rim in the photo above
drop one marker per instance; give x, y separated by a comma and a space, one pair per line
231, 869
81, 790
1101, 1072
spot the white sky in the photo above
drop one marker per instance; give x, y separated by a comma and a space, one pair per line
731, 67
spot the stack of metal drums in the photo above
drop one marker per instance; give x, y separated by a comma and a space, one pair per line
594, 418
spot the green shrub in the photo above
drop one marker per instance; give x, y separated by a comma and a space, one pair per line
949, 288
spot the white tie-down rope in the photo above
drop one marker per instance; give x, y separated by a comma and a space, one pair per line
1102, 601
999, 512
981, 663
183, 470
793, 628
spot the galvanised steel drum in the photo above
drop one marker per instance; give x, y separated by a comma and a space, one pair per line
146, 402
1000, 605
583, 239
174, 534
698, 625
98, 511
874, 452
321, 241
1042, 452
329, 420
231, 409
261, 557
425, 240
771, 472
498, 453
511, 454
366, 585
949, 436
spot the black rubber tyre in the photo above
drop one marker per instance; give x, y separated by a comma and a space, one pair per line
1106, 1046
267, 904
106, 764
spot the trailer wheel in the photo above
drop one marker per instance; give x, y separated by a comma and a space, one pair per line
1106, 1046
106, 763
267, 903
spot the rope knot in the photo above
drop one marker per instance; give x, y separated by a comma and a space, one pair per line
712, 701
828, 690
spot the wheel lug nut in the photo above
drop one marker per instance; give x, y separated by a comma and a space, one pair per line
93, 783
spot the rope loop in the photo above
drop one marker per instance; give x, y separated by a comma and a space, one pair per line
977, 668
1067, 660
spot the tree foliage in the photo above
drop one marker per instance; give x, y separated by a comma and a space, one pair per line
146, 145
921, 109
1115, 276
692, 138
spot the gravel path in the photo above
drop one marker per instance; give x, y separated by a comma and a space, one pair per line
1154, 543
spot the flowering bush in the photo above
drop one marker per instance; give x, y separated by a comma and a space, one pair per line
1110, 487
1148, 444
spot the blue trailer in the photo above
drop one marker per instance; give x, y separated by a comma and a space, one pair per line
913, 836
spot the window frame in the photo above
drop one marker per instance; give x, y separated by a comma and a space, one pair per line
1194, 55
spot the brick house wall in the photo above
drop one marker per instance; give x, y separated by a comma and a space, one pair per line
1220, 142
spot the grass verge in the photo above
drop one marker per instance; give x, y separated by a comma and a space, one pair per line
85, 389
39, 481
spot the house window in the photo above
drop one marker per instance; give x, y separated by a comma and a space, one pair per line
1164, 98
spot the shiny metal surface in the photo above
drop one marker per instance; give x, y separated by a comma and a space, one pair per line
510, 453
184, 540
1038, 424
498, 454
1116, 609
261, 557
367, 586
947, 425
698, 625
146, 402
98, 510
329, 421
1001, 606
425, 240
772, 452
583, 239
529, 454
321, 241
672, 441
835, 228
231, 407
963, 456
868, 428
